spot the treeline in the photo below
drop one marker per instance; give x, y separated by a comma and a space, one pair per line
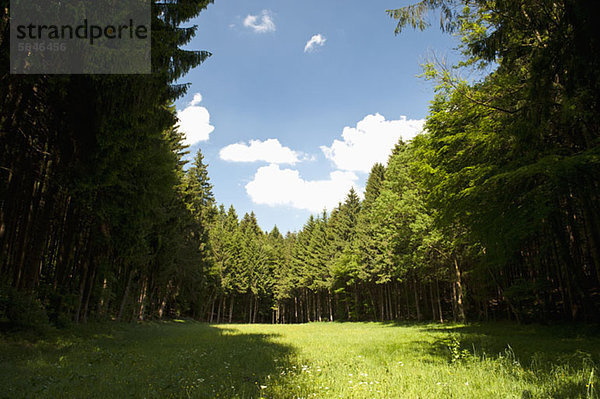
494, 212
97, 217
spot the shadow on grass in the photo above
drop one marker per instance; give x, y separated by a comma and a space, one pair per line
529, 343
153, 360
563, 359
566, 357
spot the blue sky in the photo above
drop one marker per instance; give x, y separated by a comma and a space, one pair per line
300, 99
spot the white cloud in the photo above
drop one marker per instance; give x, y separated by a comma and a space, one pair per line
196, 100
316, 40
274, 186
261, 23
270, 151
371, 141
194, 122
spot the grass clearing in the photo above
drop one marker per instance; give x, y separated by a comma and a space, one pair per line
347, 360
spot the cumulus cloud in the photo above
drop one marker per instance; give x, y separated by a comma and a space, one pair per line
371, 141
274, 186
196, 100
317, 40
270, 151
261, 23
194, 122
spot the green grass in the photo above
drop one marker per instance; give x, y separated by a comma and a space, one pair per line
347, 360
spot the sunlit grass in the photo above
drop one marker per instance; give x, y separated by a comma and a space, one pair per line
431, 361
347, 360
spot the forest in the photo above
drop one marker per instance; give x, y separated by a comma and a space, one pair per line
492, 213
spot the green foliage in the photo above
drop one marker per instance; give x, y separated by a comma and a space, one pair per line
415, 15
499, 152
491, 212
91, 174
21, 311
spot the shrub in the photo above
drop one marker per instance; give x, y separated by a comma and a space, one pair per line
20, 311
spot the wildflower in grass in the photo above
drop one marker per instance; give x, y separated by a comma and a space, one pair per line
263, 387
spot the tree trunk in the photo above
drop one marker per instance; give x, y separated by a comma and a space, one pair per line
459, 293
231, 308
125, 294
431, 300
81, 292
407, 297
223, 308
319, 306
250, 309
381, 302
295, 309
100, 309
90, 288
142, 300
212, 310
439, 301
329, 305
163, 305
255, 309
219, 306
417, 305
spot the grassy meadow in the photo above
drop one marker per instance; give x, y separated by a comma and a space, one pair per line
328, 360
